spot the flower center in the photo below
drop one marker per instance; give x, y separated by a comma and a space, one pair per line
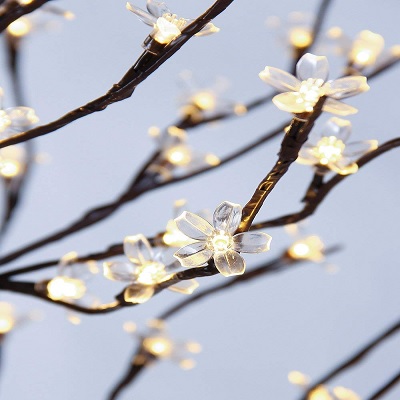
158, 346
63, 287
168, 27
329, 150
220, 241
310, 91
204, 100
179, 155
151, 273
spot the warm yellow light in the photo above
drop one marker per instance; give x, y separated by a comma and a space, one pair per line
179, 155
154, 131
366, 48
167, 28
10, 168
63, 287
193, 347
212, 160
20, 27
174, 237
24, 2
158, 346
343, 393
335, 32
329, 150
240, 109
320, 393
395, 50
205, 100
310, 248
7, 320
12, 161
298, 378
156, 324
74, 319
300, 37
310, 91
68, 15
187, 364
151, 273
220, 242
5, 120
129, 327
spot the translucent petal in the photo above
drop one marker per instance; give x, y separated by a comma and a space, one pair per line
137, 248
194, 254
227, 217
338, 127
138, 293
165, 31
306, 156
311, 66
209, 29
194, 226
355, 150
185, 287
346, 87
157, 8
22, 117
119, 271
251, 242
336, 107
279, 79
343, 167
144, 16
229, 263
289, 102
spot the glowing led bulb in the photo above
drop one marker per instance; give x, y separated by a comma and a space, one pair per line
187, 364
179, 155
205, 100
63, 287
174, 237
151, 273
320, 393
12, 161
366, 48
329, 150
7, 319
300, 37
309, 248
158, 346
20, 27
220, 241
342, 393
298, 378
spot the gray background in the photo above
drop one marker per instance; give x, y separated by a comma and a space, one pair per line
254, 335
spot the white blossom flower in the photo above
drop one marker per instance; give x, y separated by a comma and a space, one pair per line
144, 271
166, 25
176, 156
157, 343
301, 93
219, 241
330, 149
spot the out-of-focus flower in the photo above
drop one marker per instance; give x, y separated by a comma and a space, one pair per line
176, 156
304, 91
331, 151
321, 392
219, 241
144, 271
13, 160
166, 25
158, 344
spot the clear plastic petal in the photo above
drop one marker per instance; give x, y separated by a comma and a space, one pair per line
343, 167
252, 242
185, 287
194, 226
289, 102
311, 66
209, 29
306, 156
21, 117
227, 217
336, 107
229, 263
355, 150
119, 271
137, 248
144, 16
157, 8
194, 255
338, 127
138, 293
279, 79
346, 87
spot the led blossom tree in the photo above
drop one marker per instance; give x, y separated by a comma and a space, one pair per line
189, 249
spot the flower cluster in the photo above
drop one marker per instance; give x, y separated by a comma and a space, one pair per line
301, 93
144, 271
219, 241
166, 25
329, 151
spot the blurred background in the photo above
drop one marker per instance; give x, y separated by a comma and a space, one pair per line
306, 318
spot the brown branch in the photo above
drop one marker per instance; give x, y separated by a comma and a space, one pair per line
315, 197
354, 359
393, 381
141, 70
133, 192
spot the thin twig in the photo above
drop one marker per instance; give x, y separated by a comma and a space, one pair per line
393, 381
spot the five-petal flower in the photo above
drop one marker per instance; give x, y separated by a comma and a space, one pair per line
144, 271
330, 149
166, 25
219, 241
301, 93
